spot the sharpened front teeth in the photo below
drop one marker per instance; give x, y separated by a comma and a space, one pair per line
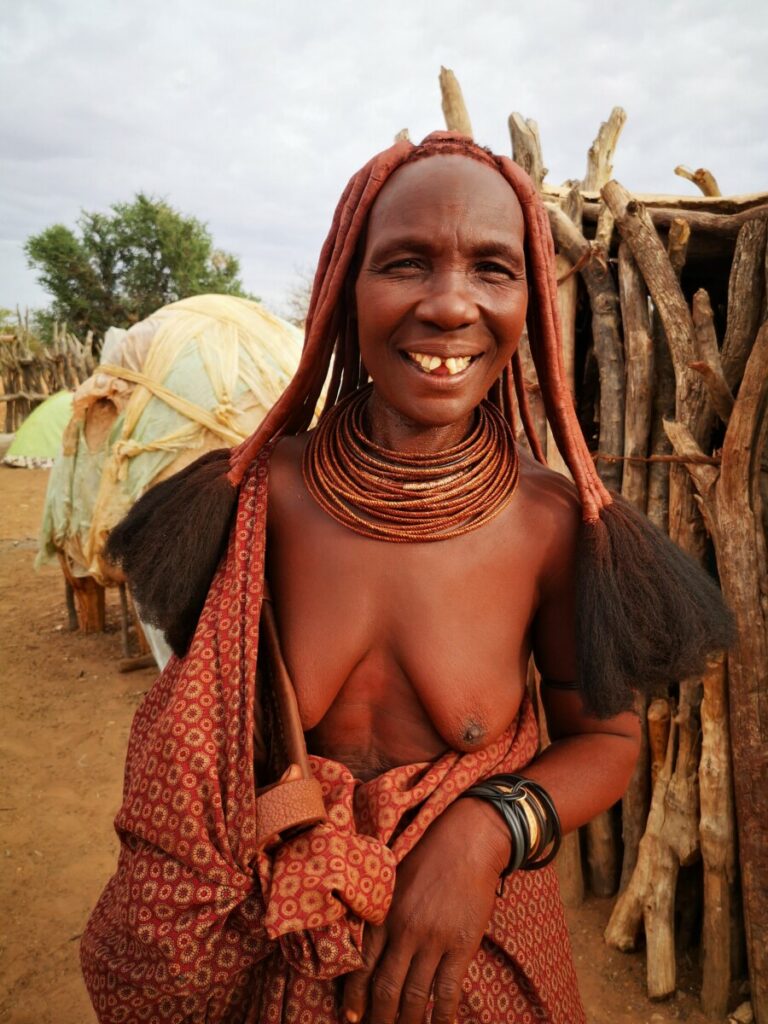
454, 364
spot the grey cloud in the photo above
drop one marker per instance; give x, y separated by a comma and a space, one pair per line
253, 115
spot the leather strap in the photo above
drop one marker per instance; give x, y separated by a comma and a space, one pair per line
284, 806
287, 805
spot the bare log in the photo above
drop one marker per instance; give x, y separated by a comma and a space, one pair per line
600, 155
691, 401
721, 205
570, 873
726, 226
718, 842
670, 840
138, 661
602, 855
606, 335
701, 177
659, 718
638, 345
88, 597
454, 108
732, 504
708, 363
746, 291
526, 147
637, 230
567, 294
664, 389
533, 390
600, 169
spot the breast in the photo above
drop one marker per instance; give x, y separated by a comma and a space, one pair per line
402, 652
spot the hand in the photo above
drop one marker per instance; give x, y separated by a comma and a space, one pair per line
443, 901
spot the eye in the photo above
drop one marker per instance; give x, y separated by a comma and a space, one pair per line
491, 267
406, 263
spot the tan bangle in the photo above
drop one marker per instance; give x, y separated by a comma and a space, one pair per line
533, 822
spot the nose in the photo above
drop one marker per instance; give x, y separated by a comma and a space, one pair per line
448, 304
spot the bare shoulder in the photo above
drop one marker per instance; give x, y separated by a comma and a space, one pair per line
285, 483
550, 512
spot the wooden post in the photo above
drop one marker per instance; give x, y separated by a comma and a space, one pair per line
606, 334
746, 297
526, 147
454, 108
671, 839
567, 295
659, 718
691, 400
718, 842
733, 508
89, 599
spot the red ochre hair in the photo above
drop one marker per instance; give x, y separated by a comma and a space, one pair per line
646, 614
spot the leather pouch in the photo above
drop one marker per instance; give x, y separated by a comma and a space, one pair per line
282, 808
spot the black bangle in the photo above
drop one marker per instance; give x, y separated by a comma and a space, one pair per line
506, 793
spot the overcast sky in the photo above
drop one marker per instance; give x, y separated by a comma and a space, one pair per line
252, 115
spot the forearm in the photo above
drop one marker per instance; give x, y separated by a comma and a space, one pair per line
583, 774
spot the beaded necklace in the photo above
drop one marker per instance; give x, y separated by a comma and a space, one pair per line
409, 497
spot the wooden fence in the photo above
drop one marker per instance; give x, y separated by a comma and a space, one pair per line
663, 305
30, 371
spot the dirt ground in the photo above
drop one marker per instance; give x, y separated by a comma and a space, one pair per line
66, 711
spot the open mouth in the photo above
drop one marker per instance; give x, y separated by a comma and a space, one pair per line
439, 367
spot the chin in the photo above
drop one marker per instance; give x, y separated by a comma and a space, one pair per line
431, 410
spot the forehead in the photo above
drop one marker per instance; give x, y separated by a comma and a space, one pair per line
440, 191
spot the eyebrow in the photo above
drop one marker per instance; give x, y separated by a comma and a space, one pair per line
483, 250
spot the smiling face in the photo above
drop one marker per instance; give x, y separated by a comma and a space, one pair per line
441, 294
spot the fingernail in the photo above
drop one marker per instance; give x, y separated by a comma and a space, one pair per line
351, 1016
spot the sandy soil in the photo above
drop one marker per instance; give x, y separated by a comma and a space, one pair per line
66, 711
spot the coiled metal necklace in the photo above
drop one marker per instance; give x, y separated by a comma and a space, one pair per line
409, 497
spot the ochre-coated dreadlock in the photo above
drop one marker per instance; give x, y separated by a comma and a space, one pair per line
645, 612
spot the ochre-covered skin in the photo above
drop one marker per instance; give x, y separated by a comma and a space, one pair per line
400, 652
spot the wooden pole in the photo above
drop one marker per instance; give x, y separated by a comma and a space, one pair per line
718, 842
704, 179
746, 298
670, 840
732, 505
606, 335
526, 147
454, 108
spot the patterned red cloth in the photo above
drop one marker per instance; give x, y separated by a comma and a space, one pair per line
198, 927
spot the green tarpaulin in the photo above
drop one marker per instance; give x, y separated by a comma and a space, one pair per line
38, 439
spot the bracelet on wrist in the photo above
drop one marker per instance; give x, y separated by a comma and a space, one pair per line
529, 814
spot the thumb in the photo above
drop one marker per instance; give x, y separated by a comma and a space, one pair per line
292, 773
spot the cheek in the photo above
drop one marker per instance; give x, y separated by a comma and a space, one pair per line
510, 323
379, 312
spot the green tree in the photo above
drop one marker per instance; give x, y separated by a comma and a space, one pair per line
123, 265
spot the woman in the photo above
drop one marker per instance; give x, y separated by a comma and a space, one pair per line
416, 558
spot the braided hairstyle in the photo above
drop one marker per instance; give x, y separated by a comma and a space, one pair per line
646, 613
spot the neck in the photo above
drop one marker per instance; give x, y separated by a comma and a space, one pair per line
389, 429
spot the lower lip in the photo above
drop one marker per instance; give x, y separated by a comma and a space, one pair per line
443, 378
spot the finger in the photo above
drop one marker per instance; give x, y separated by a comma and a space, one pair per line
417, 989
386, 986
356, 985
447, 988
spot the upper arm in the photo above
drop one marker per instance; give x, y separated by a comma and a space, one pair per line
554, 623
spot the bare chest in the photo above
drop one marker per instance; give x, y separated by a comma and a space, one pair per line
405, 648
